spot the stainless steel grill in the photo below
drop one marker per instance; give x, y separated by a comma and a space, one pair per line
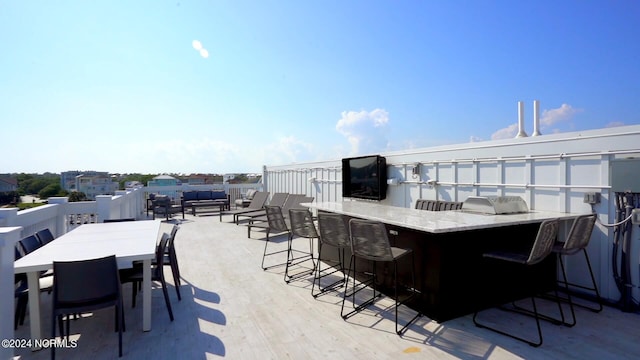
495, 205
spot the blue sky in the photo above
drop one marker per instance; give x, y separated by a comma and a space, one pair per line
229, 86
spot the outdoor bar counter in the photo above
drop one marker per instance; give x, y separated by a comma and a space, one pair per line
448, 247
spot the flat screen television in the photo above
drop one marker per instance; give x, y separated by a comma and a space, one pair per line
364, 177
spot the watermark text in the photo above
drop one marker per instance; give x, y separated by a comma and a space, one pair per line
39, 343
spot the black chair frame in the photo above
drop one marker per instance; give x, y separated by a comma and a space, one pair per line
541, 248
301, 226
135, 275
277, 224
171, 259
333, 234
79, 292
370, 279
577, 241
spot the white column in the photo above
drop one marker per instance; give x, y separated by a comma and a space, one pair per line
8, 238
62, 223
536, 118
521, 132
103, 203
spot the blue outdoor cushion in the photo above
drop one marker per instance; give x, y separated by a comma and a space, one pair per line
190, 195
204, 195
218, 195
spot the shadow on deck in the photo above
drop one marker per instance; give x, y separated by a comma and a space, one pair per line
232, 309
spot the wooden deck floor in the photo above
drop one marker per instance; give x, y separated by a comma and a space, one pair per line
232, 309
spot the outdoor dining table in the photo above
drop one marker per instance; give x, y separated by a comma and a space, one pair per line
128, 241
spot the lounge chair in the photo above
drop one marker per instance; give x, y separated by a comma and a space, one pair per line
258, 201
278, 199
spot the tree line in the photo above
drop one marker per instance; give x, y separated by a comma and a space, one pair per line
47, 185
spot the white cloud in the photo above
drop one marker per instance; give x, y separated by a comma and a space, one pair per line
197, 45
365, 131
195, 155
506, 133
206, 155
614, 124
473, 138
549, 117
287, 149
553, 116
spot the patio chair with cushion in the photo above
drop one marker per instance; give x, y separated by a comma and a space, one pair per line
162, 205
246, 199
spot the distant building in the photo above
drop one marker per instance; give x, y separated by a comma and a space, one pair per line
8, 183
93, 185
202, 179
164, 180
68, 178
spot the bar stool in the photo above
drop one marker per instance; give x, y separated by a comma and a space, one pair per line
542, 247
277, 224
369, 241
334, 233
301, 226
577, 240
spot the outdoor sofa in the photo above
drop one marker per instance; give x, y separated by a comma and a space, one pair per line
205, 199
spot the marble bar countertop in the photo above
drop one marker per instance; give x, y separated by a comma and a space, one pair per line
434, 221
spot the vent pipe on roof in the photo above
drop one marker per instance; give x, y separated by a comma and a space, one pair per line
521, 132
536, 118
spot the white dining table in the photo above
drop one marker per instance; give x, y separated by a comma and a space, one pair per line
129, 241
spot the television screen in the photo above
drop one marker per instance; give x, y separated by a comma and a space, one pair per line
364, 177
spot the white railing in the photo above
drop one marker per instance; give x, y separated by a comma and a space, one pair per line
8, 237
61, 216
550, 172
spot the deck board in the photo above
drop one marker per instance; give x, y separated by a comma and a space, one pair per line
232, 309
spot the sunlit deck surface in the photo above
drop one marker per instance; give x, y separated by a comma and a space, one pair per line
233, 309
